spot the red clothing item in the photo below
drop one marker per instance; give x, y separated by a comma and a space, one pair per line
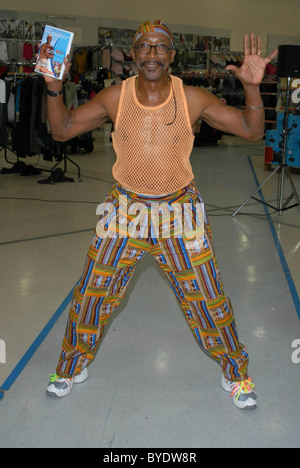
27, 69
271, 69
28, 51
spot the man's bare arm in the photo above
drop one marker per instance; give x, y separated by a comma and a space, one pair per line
248, 124
66, 124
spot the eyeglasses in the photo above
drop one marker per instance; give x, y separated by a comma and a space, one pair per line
160, 49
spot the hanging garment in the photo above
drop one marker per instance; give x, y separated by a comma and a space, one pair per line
12, 50
106, 58
11, 105
70, 95
21, 130
3, 51
28, 51
80, 64
3, 114
118, 55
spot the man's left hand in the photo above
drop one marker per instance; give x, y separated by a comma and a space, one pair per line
253, 69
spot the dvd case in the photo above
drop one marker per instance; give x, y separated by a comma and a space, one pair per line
55, 46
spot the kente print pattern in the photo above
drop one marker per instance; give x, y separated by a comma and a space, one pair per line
193, 274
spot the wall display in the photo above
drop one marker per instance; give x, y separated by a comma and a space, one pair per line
105, 36
19, 45
22, 30
193, 50
39, 29
77, 31
197, 60
120, 37
29, 30
12, 29
124, 37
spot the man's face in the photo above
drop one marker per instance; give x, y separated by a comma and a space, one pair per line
152, 65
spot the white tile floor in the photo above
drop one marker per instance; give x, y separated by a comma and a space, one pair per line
150, 385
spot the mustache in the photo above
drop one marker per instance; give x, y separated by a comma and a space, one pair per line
151, 62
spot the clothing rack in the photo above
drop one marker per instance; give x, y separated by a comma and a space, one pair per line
22, 75
5, 148
60, 148
65, 159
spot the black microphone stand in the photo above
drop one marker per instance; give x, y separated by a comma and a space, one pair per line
282, 166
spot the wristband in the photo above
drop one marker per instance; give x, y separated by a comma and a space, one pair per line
253, 107
54, 94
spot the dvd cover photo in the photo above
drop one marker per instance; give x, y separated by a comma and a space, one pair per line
55, 46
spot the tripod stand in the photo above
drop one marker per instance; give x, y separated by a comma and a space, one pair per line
283, 167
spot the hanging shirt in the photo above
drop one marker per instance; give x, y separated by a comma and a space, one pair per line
28, 51
3, 51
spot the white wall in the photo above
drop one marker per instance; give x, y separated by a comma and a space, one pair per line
276, 17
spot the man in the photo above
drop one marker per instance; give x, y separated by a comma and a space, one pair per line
46, 55
153, 114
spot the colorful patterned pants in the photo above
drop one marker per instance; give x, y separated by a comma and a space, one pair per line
187, 260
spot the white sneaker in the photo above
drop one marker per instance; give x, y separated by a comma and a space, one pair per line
60, 387
242, 393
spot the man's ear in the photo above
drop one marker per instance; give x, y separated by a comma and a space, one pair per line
132, 53
173, 55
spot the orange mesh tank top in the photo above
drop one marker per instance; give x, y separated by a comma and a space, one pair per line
153, 144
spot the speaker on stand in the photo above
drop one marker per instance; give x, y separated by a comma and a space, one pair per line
288, 61
288, 67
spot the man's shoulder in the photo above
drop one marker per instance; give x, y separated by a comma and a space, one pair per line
196, 94
195, 90
108, 99
112, 92
197, 100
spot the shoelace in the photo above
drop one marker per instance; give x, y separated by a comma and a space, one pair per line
53, 377
246, 386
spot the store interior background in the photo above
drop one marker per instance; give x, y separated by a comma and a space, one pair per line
140, 403
271, 19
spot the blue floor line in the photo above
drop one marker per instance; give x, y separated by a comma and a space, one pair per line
37, 342
284, 264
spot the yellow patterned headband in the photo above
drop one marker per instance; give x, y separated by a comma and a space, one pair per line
153, 26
